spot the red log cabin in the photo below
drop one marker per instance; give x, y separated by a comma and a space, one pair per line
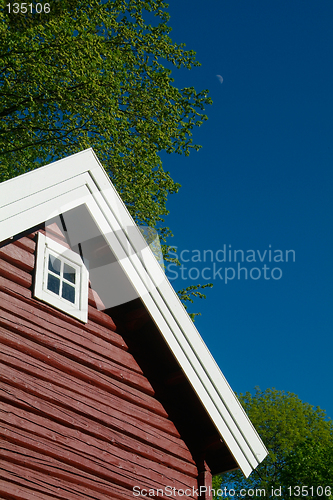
107, 389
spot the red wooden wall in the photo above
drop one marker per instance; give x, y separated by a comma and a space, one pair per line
78, 418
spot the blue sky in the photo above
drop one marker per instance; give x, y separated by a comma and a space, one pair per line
263, 177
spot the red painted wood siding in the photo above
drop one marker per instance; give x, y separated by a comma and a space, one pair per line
78, 418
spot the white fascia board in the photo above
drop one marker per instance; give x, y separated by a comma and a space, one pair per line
37, 180
41, 197
41, 194
40, 213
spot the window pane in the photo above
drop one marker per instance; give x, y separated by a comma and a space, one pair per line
53, 284
54, 264
68, 292
69, 273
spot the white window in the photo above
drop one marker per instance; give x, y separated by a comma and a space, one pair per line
61, 278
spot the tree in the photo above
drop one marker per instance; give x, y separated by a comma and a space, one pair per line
97, 74
290, 430
309, 467
187, 294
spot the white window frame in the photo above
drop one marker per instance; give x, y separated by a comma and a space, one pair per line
46, 247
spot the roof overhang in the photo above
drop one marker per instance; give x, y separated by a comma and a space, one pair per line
79, 183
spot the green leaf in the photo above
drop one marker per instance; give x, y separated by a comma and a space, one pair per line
299, 439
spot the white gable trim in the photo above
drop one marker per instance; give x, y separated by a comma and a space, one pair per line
40, 195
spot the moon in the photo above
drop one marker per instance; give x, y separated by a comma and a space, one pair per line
220, 78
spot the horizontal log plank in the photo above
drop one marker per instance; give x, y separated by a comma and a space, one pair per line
124, 384
78, 370
72, 437
17, 492
18, 257
104, 331
53, 467
15, 274
87, 455
68, 417
32, 235
38, 482
81, 337
73, 352
26, 244
100, 318
95, 300
83, 406
113, 405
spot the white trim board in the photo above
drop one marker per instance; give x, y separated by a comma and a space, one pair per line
40, 195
